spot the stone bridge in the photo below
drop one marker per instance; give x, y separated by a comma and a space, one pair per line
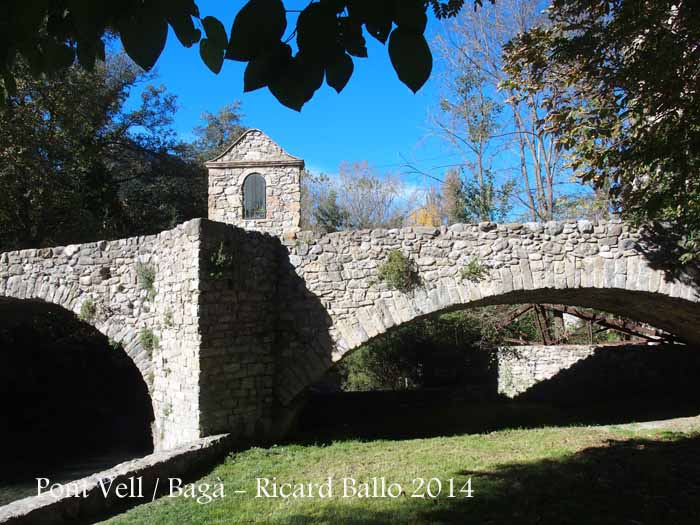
248, 313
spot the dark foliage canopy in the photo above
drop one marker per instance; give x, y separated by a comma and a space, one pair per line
77, 164
624, 78
50, 35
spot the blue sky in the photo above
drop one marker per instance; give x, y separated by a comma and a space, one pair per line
376, 118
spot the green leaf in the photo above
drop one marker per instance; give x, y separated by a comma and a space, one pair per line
9, 85
215, 31
380, 30
101, 51
58, 55
180, 15
213, 48
296, 84
181, 7
257, 27
36, 60
288, 91
317, 31
410, 14
143, 32
411, 57
310, 74
377, 15
263, 68
212, 55
339, 71
88, 17
353, 39
58, 25
256, 74
184, 28
88, 50
28, 15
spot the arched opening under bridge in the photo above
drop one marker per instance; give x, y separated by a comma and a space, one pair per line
73, 402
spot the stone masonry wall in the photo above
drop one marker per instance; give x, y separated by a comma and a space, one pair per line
214, 310
226, 198
591, 373
238, 321
599, 265
247, 321
522, 367
256, 153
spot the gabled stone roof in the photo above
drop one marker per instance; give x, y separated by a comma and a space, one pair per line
254, 148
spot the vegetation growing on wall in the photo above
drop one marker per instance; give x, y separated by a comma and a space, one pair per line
221, 262
88, 310
474, 271
398, 272
168, 319
146, 275
149, 340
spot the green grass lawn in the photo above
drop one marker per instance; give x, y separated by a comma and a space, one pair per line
539, 476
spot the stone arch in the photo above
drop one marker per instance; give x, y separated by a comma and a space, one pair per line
677, 316
598, 265
143, 289
64, 378
73, 298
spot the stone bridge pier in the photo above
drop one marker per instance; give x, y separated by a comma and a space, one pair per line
195, 308
230, 322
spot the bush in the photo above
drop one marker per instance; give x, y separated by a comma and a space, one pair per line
398, 272
385, 365
438, 351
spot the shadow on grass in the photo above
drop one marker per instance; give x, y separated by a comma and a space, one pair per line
411, 415
632, 482
612, 385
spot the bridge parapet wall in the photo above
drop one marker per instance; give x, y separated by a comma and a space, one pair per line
247, 321
212, 309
